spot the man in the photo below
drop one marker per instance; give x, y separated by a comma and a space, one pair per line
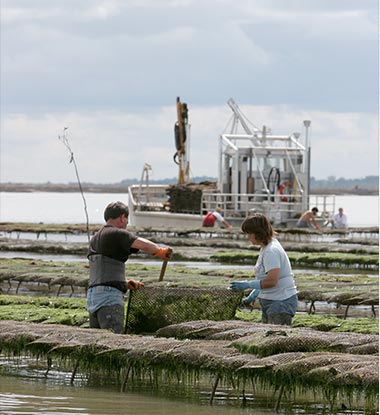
211, 217
339, 220
307, 219
109, 249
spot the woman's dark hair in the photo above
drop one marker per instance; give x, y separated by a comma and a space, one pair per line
259, 225
114, 210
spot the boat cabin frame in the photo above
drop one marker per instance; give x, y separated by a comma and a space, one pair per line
258, 171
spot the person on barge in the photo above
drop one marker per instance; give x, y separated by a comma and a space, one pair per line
215, 216
274, 284
108, 251
339, 220
307, 219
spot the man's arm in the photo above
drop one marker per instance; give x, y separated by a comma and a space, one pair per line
153, 249
145, 245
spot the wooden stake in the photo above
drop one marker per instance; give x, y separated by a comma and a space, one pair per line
163, 269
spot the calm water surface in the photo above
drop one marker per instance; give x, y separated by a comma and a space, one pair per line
23, 395
34, 395
49, 207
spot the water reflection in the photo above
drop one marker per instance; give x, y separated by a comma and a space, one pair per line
22, 396
33, 395
69, 237
25, 390
189, 264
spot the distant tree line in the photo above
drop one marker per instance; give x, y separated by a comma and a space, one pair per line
173, 180
370, 183
363, 186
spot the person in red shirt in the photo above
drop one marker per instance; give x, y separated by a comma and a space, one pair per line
215, 216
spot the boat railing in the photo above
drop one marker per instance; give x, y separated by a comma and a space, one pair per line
152, 197
278, 207
240, 205
324, 203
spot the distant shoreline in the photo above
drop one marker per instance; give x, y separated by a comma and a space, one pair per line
123, 188
63, 188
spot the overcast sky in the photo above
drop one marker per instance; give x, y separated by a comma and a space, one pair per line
111, 70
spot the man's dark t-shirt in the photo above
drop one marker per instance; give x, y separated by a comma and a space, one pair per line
114, 243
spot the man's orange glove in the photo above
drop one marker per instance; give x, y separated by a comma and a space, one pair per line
164, 253
134, 285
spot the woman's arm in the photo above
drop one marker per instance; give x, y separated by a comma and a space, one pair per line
271, 279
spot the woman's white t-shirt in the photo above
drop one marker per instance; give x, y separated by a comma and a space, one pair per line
271, 257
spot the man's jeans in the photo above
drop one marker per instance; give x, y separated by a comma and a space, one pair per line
106, 308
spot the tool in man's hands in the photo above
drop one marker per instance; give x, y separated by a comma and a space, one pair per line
164, 253
134, 285
168, 255
128, 309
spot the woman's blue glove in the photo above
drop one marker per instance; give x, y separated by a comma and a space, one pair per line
250, 299
243, 285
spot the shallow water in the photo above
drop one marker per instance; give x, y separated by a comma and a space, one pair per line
189, 264
51, 207
26, 396
24, 389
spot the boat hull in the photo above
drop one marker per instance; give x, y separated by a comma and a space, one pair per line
164, 219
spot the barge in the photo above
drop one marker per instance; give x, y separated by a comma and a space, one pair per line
258, 171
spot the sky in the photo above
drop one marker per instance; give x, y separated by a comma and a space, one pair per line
110, 72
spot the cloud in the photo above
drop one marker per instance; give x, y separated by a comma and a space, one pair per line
114, 145
111, 70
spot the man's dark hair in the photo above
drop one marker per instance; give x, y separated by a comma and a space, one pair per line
259, 225
315, 209
114, 210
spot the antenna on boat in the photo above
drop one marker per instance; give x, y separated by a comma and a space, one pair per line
307, 124
182, 140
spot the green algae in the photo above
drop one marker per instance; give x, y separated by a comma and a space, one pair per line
72, 311
138, 361
312, 260
41, 315
322, 323
56, 278
47, 302
68, 311
153, 308
176, 275
159, 230
42, 228
150, 358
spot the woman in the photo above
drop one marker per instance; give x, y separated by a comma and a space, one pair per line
274, 284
